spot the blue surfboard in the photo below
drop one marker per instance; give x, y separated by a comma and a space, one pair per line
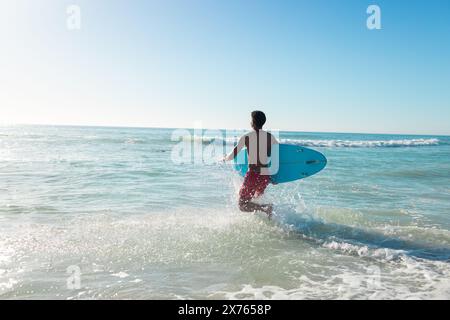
294, 163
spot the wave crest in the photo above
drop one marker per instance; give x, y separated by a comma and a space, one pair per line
331, 143
365, 143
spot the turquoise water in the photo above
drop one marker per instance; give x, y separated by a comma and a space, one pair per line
112, 203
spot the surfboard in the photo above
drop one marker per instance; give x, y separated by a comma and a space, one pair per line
294, 163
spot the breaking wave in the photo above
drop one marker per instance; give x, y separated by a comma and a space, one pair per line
421, 142
366, 143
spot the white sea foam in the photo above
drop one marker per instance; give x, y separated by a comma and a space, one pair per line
381, 276
352, 285
365, 143
331, 143
214, 241
382, 254
120, 274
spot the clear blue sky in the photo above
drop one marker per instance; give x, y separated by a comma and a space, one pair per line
310, 65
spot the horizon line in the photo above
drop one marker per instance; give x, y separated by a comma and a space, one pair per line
205, 128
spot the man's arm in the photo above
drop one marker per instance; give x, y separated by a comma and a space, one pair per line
236, 150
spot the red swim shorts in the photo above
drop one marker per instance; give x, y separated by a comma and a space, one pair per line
254, 185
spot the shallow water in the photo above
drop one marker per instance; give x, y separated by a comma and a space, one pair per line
111, 204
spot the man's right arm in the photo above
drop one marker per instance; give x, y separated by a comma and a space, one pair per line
236, 150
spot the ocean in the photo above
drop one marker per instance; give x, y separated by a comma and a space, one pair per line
106, 213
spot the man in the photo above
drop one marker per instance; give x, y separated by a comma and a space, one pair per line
259, 147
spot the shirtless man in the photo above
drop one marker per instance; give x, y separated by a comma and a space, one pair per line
259, 147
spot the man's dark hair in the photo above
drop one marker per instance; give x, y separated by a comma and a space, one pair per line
258, 119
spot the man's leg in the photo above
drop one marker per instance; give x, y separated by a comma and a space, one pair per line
261, 184
253, 183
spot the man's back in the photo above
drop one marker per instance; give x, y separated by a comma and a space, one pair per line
259, 147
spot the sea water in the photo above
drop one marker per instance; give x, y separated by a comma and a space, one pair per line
105, 213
